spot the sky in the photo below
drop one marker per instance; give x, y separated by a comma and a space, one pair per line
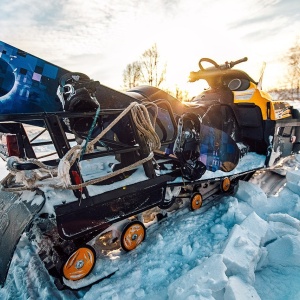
100, 37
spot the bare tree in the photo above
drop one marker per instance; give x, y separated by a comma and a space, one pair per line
132, 75
281, 93
181, 95
291, 81
152, 72
148, 70
293, 58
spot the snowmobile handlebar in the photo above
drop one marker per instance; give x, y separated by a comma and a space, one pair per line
233, 63
226, 65
203, 72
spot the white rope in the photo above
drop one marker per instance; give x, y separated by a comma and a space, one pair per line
99, 179
143, 124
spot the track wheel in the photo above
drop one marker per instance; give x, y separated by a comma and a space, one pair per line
80, 263
225, 185
132, 235
196, 201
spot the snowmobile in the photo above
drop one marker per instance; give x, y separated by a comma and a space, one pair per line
120, 162
237, 105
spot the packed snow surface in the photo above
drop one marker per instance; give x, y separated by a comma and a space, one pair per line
245, 246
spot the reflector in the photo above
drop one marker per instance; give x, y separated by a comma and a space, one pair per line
9, 145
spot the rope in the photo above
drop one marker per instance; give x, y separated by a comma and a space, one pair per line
90, 132
141, 120
143, 123
115, 173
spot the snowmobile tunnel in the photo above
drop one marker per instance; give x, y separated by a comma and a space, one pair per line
95, 214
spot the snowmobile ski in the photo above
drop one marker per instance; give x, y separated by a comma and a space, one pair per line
16, 216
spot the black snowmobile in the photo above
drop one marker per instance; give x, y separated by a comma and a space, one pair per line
122, 161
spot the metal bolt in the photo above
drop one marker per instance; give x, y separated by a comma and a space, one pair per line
79, 264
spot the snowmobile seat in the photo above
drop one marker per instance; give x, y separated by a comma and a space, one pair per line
221, 94
226, 95
152, 94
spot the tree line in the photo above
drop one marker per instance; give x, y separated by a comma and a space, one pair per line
290, 89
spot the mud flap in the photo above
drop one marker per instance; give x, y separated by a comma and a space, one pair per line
14, 218
282, 144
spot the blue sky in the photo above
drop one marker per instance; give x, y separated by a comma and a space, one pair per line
100, 37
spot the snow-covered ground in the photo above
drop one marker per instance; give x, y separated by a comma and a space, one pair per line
245, 246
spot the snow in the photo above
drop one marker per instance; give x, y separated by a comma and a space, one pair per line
101, 166
245, 246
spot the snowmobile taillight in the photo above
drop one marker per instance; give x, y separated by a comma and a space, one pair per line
11, 145
77, 179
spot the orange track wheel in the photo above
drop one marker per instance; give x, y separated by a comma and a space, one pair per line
80, 263
196, 201
132, 235
225, 185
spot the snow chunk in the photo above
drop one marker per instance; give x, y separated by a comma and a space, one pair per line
237, 289
256, 225
208, 277
294, 187
140, 293
233, 214
242, 253
284, 251
219, 231
278, 230
293, 181
293, 175
251, 194
286, 219
186, 250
